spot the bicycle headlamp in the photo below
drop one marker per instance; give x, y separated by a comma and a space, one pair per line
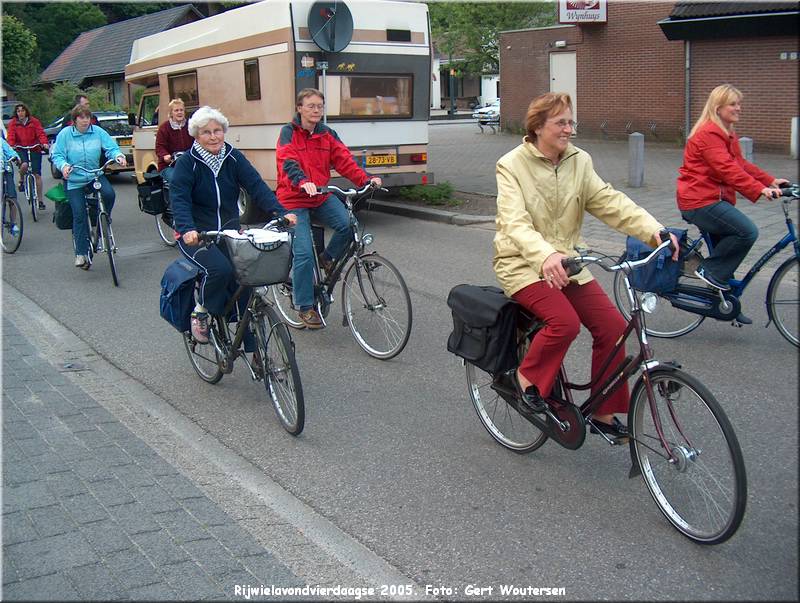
649, 302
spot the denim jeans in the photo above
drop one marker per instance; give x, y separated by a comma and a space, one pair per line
332, 213
80, 221
733, 232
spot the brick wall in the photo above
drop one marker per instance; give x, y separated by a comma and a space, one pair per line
628, 72
768, 83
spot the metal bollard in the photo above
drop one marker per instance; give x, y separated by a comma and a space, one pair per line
747, 148
635, 160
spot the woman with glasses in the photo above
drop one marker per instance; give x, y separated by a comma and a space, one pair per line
544, 186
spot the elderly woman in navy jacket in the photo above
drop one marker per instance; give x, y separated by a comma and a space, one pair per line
204, 193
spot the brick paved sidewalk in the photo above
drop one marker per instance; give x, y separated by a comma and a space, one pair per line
90, 511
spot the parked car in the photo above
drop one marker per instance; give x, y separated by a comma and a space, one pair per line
489, 113
8, 110
113, 122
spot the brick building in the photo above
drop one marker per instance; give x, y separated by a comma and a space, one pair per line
650, 66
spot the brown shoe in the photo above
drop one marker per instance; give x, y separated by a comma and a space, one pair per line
311, 319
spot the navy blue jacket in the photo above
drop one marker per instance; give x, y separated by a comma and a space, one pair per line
201, 201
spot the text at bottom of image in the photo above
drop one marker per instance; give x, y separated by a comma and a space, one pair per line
397, 590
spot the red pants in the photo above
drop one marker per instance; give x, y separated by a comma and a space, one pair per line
563, 312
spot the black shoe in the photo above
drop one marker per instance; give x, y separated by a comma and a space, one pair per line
616, 429
530, 398
325, 263
744, 319
42, 205
708, 278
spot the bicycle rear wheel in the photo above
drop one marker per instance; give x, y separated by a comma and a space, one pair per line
782, 299
204, 357
282, 296
702, 488
281, 375
108, 243
11, 236
30, 194
165, 230
663, 319
377, 306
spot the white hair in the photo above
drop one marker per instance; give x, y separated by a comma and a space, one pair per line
202, 116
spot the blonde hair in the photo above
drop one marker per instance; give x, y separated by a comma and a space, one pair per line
542, 107
175, 102
719, 97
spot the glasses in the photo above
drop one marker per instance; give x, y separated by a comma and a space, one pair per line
216, 132
564, 123
313, 107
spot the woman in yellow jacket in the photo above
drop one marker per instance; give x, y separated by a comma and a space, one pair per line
544, 186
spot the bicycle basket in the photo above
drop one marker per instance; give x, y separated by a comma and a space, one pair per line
260, 257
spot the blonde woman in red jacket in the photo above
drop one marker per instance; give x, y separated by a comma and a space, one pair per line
713, 171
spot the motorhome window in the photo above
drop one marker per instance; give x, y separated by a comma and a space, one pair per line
252, 83
149, 113
184, 86
398, 35
373, 96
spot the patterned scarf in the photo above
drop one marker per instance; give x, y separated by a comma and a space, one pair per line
211, 160
176, 125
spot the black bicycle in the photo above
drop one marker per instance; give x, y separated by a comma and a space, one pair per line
29, 182
376, 304
259, 256
681, 442
12, 226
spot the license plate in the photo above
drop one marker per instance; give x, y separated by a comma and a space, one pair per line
124, 141
382, 160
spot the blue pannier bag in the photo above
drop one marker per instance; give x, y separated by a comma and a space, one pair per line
660, 275
177, 293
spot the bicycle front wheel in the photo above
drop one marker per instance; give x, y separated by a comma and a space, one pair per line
700, 484
30, 194
662, 319
377, 306
281, 375
12, 229
204, 357
165, 230
782, 299
282, 297
108, 243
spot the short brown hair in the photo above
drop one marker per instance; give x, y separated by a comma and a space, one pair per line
305, 93
542, 107
80, 111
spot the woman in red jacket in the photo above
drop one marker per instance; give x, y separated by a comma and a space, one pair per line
24, 130
172, 136
713, 171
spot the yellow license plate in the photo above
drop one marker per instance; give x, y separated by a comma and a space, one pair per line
382, 160
124, 141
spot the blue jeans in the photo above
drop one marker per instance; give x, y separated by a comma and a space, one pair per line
80, 221
733, 234
331, 213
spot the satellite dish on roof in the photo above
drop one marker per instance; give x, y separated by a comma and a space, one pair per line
331, 25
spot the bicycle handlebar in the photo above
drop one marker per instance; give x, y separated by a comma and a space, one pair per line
211, 236
97, 171
351, 192
626, 265
790, 190
19, 146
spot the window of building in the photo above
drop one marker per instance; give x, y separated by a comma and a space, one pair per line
252, 83
184, 86
372, 96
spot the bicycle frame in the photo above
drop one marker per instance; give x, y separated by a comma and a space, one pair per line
230, 349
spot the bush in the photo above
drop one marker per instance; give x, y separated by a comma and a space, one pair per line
431, 194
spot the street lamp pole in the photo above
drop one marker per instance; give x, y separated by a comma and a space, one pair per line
451, 82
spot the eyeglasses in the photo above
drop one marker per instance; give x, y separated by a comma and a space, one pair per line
563, 123
313, 107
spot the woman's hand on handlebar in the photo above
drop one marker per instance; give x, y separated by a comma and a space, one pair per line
66, 171
376, 182
291, 218
121, 160
553, 271
191, 238
310, 188
675, 246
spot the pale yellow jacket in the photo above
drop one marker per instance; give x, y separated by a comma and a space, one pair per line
540, 211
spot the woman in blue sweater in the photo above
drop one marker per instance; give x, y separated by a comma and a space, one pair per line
204, 193
82, 144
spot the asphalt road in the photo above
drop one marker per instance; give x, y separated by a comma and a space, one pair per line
394, 454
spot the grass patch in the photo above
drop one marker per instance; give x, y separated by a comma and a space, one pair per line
431, 194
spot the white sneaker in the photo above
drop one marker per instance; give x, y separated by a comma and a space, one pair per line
80, 261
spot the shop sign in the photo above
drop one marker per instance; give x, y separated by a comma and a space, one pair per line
582, 11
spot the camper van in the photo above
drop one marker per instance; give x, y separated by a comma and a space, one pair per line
371, 59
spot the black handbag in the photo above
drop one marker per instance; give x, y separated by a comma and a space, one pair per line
484, 327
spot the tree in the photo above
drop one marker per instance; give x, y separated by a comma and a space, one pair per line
19, 51
470, 30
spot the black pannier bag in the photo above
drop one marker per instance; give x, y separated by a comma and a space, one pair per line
151, 199
484, 327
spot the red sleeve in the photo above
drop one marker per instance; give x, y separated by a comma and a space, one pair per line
39, 130
342, 160
714, 151
288, 160
12, 134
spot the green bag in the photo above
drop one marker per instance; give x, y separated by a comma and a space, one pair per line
57, 194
